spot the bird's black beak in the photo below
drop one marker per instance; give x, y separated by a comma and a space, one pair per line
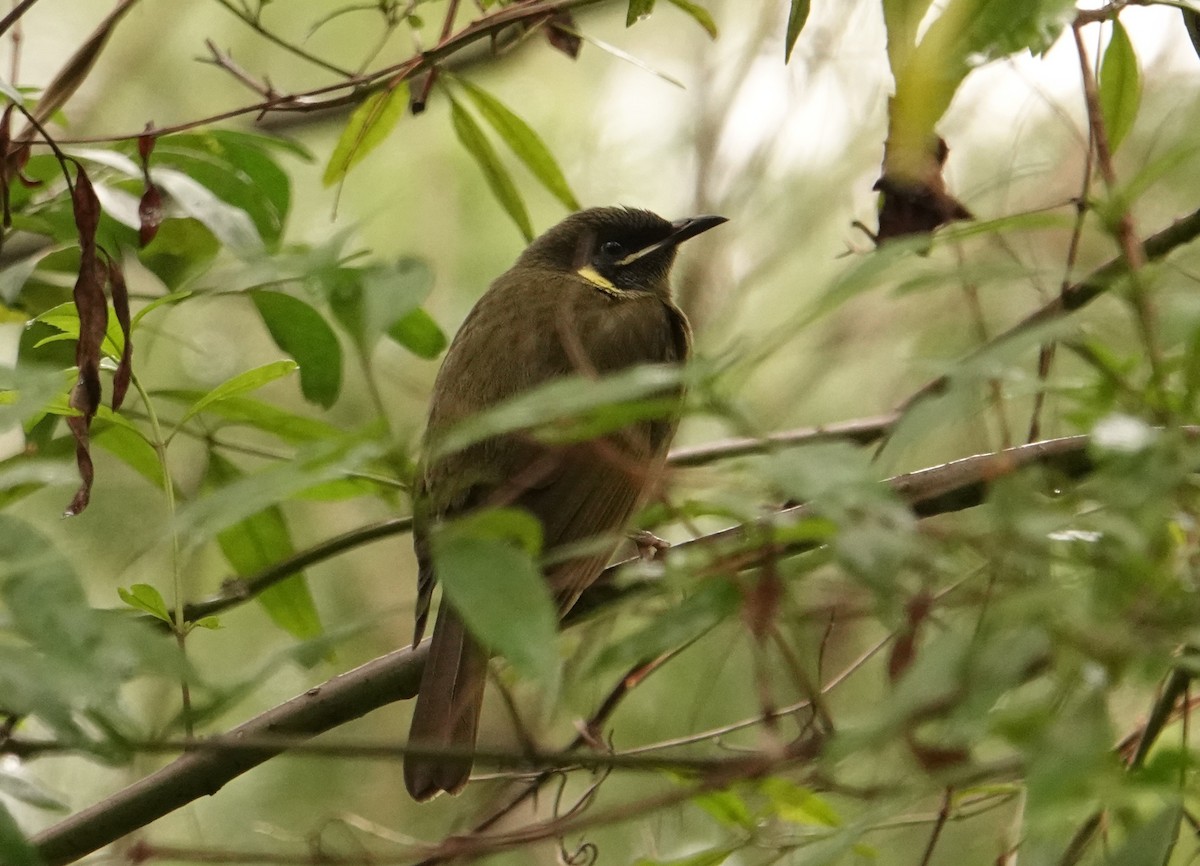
681, 231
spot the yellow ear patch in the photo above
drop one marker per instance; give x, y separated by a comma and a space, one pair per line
598, 280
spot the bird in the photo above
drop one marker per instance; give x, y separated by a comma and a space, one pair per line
591, 296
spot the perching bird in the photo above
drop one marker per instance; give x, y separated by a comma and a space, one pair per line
591, 296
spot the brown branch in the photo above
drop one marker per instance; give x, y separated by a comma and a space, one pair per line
393, 677
359, 87
1076, 296
1127, 238
15, 15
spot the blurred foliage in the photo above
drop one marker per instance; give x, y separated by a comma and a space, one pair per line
860, 680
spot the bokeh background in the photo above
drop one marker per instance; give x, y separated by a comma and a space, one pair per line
788, 152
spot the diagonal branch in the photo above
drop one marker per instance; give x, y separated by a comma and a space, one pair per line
393, 677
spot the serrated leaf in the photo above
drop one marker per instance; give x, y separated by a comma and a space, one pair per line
248, 380
419, 333
498, 179
144, 597
797, 17
524, 142
368, 126
638, 9
488, 573
1120, 86
303, 333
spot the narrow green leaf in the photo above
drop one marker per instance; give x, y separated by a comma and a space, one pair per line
501, 184
144, 597
701, 15
524, 142
249, 412
165, 300
368, 126
711, 857
28, 791
1120, 86
240, 384
562, 398
303, 333
490, 576
685, 622
638, 9
728, 807
258, 541
1152, 843
419, 333
15, 849
797, 16
125, 442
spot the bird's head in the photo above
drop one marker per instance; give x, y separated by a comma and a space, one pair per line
616, 249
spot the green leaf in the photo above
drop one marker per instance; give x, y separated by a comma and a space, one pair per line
27, 791
798, 805
561, 399
727, 807
258, 541
524, 142
501, 184
125, 442
26, 391
700, 612
165, 300
231, 225
203, 518
1152, 843
419, 333
712, 857
144, 597
249, 412
370, 301
181, 249
701, 15
368, 126
15, 849
638, 9
248, 380
488, 572
303, 333
1120, 86
797, 17
14, 277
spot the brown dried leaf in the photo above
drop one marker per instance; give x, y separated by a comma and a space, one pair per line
563, 35
904, 647
146, 143
93, 320
150, 214
120, 299
64, 84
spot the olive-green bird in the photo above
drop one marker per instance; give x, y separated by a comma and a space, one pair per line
591, 296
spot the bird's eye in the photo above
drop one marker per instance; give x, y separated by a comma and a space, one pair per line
612, 249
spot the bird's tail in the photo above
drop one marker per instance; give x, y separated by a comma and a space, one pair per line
447, 711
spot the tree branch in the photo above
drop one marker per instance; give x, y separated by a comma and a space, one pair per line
393, 677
